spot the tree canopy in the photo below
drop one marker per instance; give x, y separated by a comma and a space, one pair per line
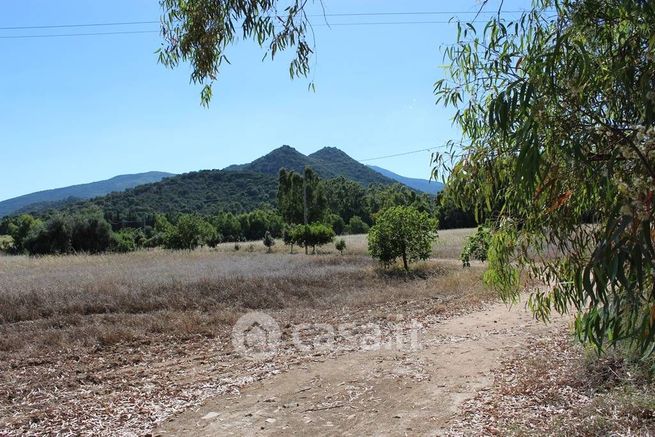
558, 109
199, 32
402, 232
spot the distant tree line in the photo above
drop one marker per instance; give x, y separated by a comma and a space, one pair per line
310, 212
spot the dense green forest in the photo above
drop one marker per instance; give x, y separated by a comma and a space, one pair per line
204, 192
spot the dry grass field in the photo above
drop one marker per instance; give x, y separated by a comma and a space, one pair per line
85, 314
119, 344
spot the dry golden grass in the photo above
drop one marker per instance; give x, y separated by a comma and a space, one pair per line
79, 333
58, 301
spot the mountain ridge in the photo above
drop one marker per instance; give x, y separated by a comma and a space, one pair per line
80, 191
423, 185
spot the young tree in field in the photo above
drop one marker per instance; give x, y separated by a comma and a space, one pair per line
189, 232
269, 241
315, 234
318, 234
559, 107
402, 232
340, 245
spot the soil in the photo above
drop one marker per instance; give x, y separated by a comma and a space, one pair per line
382, 392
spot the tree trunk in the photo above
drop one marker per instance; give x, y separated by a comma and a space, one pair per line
405, 261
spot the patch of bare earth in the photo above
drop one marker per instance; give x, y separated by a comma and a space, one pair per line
382, 392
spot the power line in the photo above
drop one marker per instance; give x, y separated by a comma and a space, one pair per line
400, 154
356, 14
60, 26
128, 32
59, 35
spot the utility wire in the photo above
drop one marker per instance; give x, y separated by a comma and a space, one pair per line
132, 23
401, 154
59, 35
127, 32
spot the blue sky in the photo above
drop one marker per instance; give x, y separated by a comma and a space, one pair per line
81, 109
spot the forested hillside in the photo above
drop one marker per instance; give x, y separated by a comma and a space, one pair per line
203, 192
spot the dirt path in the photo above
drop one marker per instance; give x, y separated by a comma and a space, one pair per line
385, 392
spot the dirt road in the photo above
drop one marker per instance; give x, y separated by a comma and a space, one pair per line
384, 392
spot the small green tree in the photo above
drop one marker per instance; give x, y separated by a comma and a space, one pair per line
402, 232
318, 235
269, 241
189, 232
340, 245
476, 247
315, 234
20, 228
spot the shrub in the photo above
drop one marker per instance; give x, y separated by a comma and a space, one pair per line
128, 240
90, 234
19, 229
402, 232
189, 232
357, 226
6, 243
53, 237
269, 242
340, 245
122, 242
335, 222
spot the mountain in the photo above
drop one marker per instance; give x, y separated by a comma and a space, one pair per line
424, 185
328, 162
58, 196
238, 188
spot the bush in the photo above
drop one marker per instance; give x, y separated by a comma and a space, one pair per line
6, 243
288, 237
122, 242
357, 226
53, 237
335, 222
189, 232
269, 242
402, 232
477, 246
340, 246
128, 240
19, 228
90, 234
